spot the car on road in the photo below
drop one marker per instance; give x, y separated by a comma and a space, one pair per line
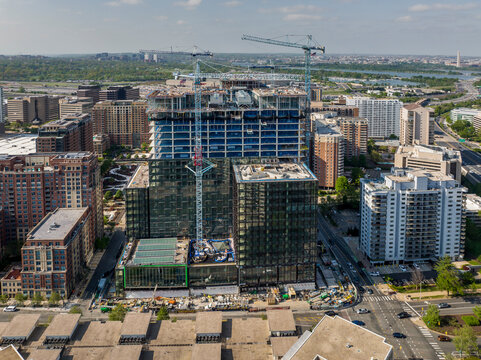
370, 292
444, 338
362, 311
403, 315
403, 268
11, 308
330, 313
358, 322
375, 273
443, 305
399, 335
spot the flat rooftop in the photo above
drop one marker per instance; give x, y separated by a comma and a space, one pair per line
140, 178
21, 326
125, 352
159, 251
282, 344
62, 325
45, 354
473, 202
272, 173
98, 334
335, 338
56, 225
429, 152
181, 332
280, 91
281, 320
206, 351
23, 144
135, 324
208, 322
245, 330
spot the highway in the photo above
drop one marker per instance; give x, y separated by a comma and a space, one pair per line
463, 85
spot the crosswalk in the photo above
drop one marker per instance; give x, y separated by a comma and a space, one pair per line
430, 338
377, 298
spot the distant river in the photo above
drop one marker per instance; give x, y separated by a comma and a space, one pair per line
465, 75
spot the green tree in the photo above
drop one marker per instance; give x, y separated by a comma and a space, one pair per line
19, 298
432, 317
343, 187
448, 278
467, 278
375, 156
119, 195
3, 298
75, 310
477, 312
465, 340
163, 314
54, 298
117, 313
108, 195
37, 299
356, 175
362, 161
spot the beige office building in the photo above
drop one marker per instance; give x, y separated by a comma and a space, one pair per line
354, 130
39, 109
432, 158
75, 106
417, 125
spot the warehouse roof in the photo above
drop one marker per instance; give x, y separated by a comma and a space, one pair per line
21, 326
206, 351
281, 320
126, 352
208, 323
135, 324
335, 338
62, 325
45, 354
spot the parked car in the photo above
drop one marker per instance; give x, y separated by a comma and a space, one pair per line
403, 315
443, 305
416, 266
444, 338
399, 335
362, 311
370, 292
403, 268
330, 313
375, 273
11, 308
358, 322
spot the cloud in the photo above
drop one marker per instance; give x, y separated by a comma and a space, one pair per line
188, 4
404, 19
299, 17
160, 17
123, 2
438, 6
180, 22
232, 3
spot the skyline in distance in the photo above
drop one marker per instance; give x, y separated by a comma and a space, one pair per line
413, 27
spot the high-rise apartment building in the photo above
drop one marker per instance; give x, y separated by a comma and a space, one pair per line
33, 109
124, 121
70, 134
70, 106
53, 255
354, 130
411, 215
91, 91
119, 93
417, 125
33, 185
432, 158
2, 113
275, 223
327, 154
383, 115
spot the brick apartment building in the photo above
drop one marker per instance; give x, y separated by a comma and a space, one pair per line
71, 133
124, 121
55, 252
33, 185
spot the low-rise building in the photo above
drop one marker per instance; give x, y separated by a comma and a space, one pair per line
56, 251
464, 114
432, 158
472, 208
12, 282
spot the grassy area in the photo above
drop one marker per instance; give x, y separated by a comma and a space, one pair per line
474, 262
410, 289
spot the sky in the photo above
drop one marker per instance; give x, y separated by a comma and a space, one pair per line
421, 27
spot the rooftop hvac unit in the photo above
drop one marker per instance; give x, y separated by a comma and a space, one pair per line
216, 99
243, 98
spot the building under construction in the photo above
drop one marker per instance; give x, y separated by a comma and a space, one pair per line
240, 126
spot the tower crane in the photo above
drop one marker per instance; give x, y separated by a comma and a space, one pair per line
308, 48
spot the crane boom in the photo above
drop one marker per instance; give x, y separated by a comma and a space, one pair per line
283, 43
